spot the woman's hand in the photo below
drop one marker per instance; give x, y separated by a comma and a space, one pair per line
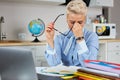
49, 31
77, 30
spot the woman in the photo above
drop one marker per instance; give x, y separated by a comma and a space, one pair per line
79, 45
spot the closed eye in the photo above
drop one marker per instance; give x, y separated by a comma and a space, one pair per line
80, 22
72, 22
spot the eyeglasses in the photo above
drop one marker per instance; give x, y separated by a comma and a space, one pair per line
58, 30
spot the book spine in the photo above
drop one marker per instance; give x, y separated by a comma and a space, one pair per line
101, 75
104, 68
93, 77
84, 78
101, 72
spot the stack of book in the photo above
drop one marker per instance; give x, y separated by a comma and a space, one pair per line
99, 70
88, 75
102, 65
96, 70
93, 70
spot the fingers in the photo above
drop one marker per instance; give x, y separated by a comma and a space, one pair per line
77, 26
77, 30
50, 27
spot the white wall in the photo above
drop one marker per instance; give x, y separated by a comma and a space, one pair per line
18, 15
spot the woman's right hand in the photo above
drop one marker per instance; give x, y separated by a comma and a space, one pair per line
49, 31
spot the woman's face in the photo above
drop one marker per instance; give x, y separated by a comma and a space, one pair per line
75, 18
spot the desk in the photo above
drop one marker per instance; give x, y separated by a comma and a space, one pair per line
88, 71
43, 75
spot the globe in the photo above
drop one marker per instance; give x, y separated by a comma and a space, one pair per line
36, 28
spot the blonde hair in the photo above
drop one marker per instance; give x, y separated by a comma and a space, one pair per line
77, 7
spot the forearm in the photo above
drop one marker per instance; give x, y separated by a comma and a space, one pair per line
86, 52
51, 43
52, 60
52, 57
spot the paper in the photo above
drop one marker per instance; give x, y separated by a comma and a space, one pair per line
57, 70
39, 71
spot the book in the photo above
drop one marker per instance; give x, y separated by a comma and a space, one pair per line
102, 65
84, 78
59, 70
90, 76
99, 74
69, 77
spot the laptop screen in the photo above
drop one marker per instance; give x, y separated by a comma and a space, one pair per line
16, 64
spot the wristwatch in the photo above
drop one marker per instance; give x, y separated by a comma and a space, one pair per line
79, 38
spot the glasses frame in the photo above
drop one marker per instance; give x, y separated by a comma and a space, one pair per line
58, 30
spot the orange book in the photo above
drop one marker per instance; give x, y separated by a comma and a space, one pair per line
84, 78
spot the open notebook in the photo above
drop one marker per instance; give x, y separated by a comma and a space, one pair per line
59, 70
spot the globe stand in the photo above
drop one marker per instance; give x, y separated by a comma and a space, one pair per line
36, 40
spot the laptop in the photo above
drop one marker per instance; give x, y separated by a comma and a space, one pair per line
16, 64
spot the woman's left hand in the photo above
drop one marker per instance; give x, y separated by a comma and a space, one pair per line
77, 30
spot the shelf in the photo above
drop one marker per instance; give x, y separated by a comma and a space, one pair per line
42, 2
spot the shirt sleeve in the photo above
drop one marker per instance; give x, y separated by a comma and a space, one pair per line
82, 47
53, 58
88, 50
50, 50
